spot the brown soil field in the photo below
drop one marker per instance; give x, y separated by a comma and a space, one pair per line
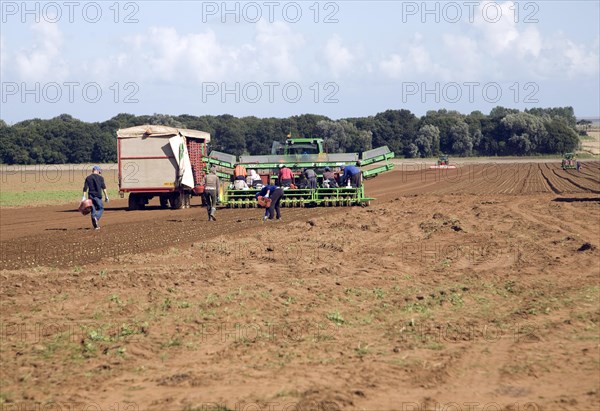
469, 289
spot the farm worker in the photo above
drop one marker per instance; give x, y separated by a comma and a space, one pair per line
286, 177
329, 176
95, 186
211, 191
274, 193
239, 172
578, 165
254, 179
312, 178
239, 177
352, 174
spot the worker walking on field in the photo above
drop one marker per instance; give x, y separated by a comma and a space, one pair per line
352, 174
275, 194
94, 186
578, 165
211, 191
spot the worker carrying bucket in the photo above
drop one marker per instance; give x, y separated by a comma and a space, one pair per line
94, 186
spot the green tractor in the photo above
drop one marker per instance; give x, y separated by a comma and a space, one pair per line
569, 161
443, 162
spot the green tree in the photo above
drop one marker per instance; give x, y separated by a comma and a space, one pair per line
527, 132
428, 140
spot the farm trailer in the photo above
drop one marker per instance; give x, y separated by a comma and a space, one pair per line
159, 161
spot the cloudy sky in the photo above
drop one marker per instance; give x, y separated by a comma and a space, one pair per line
94, 60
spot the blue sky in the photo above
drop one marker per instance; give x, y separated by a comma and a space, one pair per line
94, 60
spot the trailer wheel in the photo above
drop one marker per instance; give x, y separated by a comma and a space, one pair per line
176, 200
135, 202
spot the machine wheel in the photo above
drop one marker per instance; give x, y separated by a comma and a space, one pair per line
176, 200
136, 202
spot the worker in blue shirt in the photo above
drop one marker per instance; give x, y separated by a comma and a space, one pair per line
353, 174
275, 194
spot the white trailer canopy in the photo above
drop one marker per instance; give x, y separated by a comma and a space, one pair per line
160, 131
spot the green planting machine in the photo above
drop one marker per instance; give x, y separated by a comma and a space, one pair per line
298, 154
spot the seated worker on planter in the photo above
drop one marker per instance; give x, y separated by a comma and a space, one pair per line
239, 177
285, 176
329, 178
352, 174
253, 179
311, 176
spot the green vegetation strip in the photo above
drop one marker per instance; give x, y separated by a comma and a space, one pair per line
44, 197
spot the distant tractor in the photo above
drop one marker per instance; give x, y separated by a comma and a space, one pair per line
443, 162
569, 161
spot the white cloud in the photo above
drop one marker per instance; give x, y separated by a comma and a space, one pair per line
280, 50
164, 54
487, 50
43, 61
393, 66
530, 42
496, 22
580, 60
462, 57
415, 62
339, 58
3, 55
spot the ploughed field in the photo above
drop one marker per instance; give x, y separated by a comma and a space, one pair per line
469, 288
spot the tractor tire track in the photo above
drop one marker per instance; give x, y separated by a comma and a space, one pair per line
552, 186
576, 184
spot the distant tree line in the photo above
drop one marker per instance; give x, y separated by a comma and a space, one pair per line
502, 132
